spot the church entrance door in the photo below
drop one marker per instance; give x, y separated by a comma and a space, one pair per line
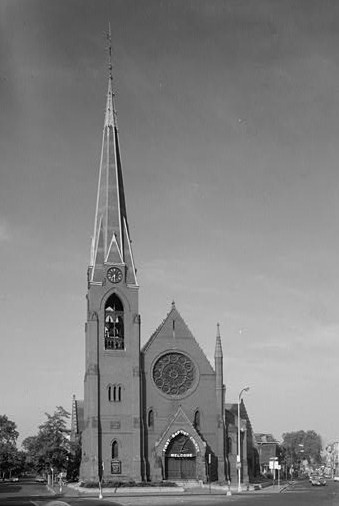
180, 459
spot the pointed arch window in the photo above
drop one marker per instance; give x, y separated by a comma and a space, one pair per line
114, 324
115, 450
150, 418
196, 421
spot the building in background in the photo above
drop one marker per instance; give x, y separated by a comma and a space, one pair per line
268, 448
249, 453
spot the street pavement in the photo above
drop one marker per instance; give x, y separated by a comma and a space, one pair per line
299, 494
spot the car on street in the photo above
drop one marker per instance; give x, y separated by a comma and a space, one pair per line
40, 479
317, 481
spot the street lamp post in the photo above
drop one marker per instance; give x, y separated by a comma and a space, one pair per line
301, 450
246, 389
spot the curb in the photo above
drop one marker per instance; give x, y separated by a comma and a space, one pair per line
133, 492
50, 489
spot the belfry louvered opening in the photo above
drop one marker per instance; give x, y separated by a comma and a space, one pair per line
114, 324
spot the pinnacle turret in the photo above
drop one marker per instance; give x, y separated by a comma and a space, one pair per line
218, 348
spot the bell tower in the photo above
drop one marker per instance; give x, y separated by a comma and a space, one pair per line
111, 440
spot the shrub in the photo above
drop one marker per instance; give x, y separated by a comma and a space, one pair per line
125, 484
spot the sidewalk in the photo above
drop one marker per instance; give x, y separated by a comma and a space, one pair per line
74, 490
273, 489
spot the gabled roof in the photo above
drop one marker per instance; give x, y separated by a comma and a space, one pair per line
232, 409
173, 324
264, 438
175, 327
180, 422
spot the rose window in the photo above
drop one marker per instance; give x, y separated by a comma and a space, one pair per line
174, 373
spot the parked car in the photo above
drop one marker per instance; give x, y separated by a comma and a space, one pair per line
317, 480
14, 478
336, 478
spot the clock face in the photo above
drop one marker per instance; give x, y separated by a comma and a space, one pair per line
114, 275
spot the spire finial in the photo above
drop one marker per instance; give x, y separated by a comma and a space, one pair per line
218, 329
111, 240
109, 38
111, 114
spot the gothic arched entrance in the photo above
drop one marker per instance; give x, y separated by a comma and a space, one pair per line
180, 459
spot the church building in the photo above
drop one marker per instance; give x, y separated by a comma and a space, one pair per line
149, 413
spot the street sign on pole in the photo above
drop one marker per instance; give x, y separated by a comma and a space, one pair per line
274, 464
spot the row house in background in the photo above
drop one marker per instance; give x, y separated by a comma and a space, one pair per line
268, 448
249, 452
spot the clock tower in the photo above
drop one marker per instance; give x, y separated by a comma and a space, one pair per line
111, 445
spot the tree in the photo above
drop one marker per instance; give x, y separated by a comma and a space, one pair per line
8, 449
18, 463
74, 460
300, 445
50, 448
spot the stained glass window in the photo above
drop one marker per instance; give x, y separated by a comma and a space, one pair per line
174, 373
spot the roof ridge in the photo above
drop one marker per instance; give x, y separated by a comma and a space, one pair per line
157, 330
160, 326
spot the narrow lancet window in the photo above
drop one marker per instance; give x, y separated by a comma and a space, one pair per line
115, 450
114, 393
114, 324
150, 421
196, 422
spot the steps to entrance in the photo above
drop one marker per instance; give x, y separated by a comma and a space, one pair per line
188, 483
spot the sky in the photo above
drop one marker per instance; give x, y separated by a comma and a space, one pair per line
228, 114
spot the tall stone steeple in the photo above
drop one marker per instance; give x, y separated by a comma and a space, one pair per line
111, 440
111, 242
